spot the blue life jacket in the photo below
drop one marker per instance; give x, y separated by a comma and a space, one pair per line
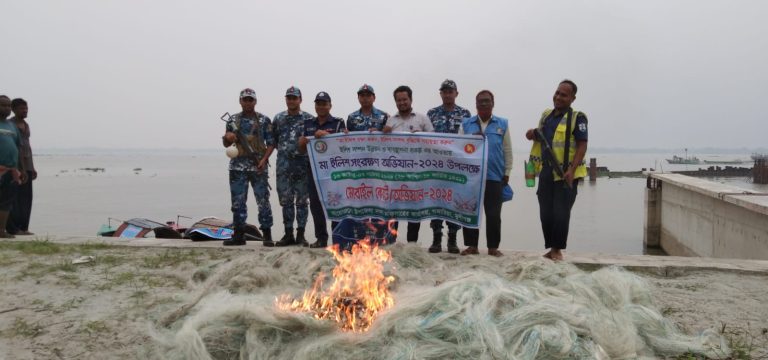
494, 140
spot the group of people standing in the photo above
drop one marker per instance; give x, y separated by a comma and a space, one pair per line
17, 170
256, 137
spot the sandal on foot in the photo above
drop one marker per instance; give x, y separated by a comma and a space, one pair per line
495, 252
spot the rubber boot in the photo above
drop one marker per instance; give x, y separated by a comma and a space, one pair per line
300, 239
452, 247
319, 244
287, 239
3, 221
238, 238
267, 234
436, 246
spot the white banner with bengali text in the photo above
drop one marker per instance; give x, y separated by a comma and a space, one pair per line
403, 176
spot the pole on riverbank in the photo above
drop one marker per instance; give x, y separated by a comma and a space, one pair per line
592, 169
760, 170
652, 219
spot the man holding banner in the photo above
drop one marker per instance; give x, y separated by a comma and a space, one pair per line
499, 147
406, 120
446, 118
321, 125
399, 175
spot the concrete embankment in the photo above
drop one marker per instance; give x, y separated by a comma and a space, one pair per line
687, 216
656, 264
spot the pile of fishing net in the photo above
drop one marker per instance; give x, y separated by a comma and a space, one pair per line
448, 307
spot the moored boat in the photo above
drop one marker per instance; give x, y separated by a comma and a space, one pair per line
684, 160
208, 228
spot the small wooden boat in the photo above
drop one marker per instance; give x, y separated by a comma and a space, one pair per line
139, 228
208, 228
212, 228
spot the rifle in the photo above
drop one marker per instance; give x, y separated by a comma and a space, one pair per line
243, 145
548, 155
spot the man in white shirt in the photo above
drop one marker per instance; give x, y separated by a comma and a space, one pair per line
407, 121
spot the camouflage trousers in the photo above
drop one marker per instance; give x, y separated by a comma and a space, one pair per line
238, 189
292, 181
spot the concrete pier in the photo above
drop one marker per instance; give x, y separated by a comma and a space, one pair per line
760, 170
660, 265
687, 216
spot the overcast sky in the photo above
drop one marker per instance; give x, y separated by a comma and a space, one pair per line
158, 74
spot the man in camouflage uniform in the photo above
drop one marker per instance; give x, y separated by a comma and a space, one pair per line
255, 129
323, 124
368, 118
446, 118
292, 177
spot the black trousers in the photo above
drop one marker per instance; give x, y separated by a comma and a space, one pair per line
492, 205
316, 208
8, 190
412, 234
555, 203
22, 208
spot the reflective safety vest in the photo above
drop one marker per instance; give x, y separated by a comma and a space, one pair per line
558, 146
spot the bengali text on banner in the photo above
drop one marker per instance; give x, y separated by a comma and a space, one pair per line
403, 176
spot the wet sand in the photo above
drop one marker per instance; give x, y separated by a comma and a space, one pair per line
104, 308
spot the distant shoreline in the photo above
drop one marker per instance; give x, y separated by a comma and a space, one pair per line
595, 150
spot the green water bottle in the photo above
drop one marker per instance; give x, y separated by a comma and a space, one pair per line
530, 174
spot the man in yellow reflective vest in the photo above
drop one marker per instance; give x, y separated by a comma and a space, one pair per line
565, 130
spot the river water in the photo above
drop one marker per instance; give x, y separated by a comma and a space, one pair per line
607, 216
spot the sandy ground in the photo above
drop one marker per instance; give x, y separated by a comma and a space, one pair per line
104, 308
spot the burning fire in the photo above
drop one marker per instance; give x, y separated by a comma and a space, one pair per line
358, 293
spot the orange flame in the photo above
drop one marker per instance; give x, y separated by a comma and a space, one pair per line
358, 293
391, 227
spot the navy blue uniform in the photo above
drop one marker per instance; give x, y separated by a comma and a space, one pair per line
331, 125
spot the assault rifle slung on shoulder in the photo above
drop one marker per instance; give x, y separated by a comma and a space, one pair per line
548, 155
244, 147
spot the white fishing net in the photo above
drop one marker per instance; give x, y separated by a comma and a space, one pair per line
473, 307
